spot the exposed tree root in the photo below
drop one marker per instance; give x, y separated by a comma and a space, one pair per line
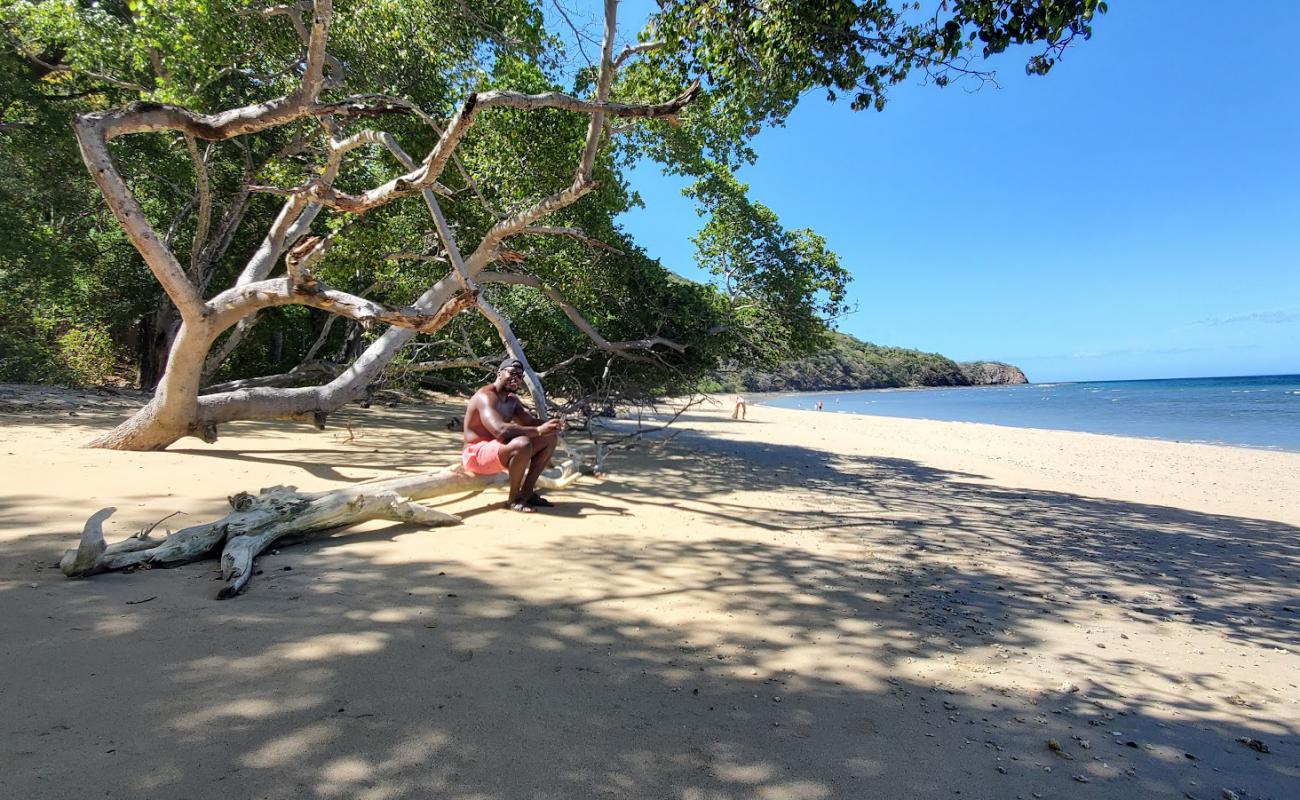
280, 512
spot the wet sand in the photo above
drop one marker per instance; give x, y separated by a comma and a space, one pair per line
799, 606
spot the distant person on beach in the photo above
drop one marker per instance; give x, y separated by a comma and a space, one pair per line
740, 410
819, 405
502, 436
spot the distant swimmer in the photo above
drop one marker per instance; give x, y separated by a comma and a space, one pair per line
819, 405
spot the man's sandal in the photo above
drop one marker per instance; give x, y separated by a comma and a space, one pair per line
521, 507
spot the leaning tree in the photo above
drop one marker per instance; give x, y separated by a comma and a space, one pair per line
177, 408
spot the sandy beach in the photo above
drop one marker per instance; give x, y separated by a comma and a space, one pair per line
800, 606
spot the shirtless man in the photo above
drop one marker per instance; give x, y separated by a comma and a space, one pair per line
501, 436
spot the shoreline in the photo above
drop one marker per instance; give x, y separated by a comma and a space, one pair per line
799, 606
1205, 443
1210, 476
1152, 416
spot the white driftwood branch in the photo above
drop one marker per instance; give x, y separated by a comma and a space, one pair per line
281, 512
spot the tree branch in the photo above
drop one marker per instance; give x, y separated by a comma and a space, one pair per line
516, 351
212, 253
95, 130
596, 125
576, 317
405, 255
308, 372
573, 233
635, 50
428, 170
203, 189
40, 63
235, 303
452, 363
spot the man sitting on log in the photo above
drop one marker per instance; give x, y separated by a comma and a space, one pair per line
501, 435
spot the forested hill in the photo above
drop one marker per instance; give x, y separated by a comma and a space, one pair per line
850, 363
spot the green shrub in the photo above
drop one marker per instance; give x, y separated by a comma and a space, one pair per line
87, 352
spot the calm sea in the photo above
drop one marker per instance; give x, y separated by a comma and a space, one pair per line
1256, 411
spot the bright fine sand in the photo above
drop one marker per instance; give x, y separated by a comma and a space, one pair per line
805, 605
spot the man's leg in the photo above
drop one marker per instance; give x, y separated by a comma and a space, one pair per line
517, 454
543, 447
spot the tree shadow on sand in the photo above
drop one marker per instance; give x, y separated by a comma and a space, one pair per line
1234, 574
660, 666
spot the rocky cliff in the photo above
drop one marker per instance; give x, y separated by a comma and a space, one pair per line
991, 373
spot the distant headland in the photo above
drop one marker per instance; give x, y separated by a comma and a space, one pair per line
849, 363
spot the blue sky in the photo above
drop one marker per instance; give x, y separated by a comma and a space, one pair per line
1134, 214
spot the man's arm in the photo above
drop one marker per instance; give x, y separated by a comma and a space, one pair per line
543, 427
502, 429
523, 416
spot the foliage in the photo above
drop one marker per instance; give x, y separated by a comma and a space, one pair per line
88, 353
782, 285
763, 56
64, 262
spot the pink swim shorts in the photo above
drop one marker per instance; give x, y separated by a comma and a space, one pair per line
482, 457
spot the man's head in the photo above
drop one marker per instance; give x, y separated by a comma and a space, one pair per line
510, 374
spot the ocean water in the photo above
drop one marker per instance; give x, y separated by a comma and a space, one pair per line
1255, 411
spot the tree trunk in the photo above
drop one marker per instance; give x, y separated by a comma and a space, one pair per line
177, 410
173, 411
157, 332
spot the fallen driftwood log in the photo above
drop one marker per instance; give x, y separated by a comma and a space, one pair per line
282, 512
